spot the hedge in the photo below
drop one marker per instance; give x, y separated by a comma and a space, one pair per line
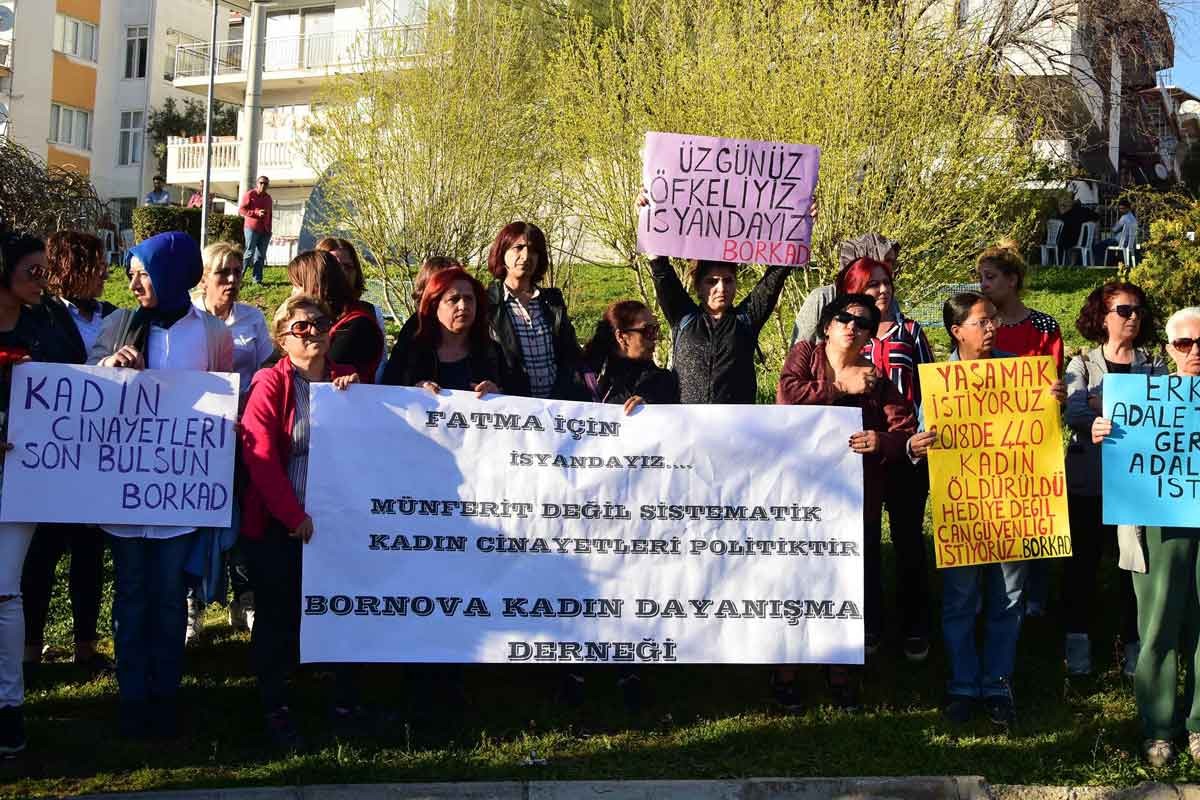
151, 220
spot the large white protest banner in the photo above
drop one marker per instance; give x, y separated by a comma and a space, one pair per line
452, 529
144, 447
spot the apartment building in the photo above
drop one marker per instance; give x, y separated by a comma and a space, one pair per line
272, 59
79, 78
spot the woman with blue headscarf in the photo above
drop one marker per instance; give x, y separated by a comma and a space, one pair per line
165, 331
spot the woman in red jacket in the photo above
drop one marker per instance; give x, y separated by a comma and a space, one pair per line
834, 372
275, 434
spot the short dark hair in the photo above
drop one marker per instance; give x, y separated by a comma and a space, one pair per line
504, 240
603, 344
698, 268
1090, 323
958, 307
159, 178
14, 247
843, 301
1125, 203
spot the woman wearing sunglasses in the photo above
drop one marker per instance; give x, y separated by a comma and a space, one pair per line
275, 527
452, 348
1165, 563
1117, 318
996, 590
621, 356
834, 372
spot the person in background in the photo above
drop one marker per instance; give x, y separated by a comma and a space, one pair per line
197, 198
874, 246
1118, 319
158, 196
452, 348
275, 526
75, 274
715, 341
355, 339
530, 321
1020, 331
257, 207
393, 369
166, 331
897, 348
834, 372
343, 250
1125, 230
253, 346
991, 593
1165, 563
621, 355
1073, 220
25, 334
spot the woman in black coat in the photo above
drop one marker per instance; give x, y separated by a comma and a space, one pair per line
621, 353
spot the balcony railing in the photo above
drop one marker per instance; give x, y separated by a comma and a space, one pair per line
280, 157
312, 51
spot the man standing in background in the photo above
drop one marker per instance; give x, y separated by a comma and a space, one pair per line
158, 196
256, 208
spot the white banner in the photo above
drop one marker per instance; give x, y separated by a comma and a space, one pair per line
142, 447
452, 529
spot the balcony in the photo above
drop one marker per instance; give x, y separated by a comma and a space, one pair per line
283, 161
291, 62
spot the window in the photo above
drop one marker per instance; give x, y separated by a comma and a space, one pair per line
137, 46
75, 37
129, 143
70, 126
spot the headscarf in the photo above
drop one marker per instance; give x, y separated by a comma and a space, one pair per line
875, 246
174, 265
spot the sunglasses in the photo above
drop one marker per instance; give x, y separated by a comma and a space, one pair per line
1184, 345
645, 330
310, 327
1125, 311
861, 323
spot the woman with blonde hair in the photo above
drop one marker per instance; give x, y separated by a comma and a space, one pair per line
218, 295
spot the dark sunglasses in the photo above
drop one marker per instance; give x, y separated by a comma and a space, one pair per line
1125, 311
307, 327
645, 330
1184, 345
862, 323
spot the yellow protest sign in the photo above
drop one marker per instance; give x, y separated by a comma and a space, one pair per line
996, 475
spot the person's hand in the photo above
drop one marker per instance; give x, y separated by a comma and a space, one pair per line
1058, 390
484, 387
632, 403
864, 442
4, 448
643, 199
127, 357
342, 381
430, 387
920, 443
856, 380
303, 531
1101, 428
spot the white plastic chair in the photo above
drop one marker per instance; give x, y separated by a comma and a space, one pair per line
1087, 236
1127, 249
1053, 231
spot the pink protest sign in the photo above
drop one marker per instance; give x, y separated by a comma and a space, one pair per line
727, 199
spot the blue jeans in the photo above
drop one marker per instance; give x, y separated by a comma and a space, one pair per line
256, 252
1001, 588
149, 615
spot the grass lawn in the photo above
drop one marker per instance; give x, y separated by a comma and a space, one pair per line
704, 722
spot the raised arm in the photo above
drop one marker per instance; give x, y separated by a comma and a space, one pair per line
761, 301
673, 299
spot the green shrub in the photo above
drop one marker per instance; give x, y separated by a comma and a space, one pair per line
152, 220
1169, 265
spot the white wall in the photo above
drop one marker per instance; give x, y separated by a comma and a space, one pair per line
29, 102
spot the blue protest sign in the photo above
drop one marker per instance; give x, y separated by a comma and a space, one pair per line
1151, 461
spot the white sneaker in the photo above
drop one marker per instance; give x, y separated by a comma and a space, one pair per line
1129, 664
245, 606
195, 620
237, 615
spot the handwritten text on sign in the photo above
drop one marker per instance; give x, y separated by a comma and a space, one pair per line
92, 444
996, 471
525, 531
727, 199
1151, 461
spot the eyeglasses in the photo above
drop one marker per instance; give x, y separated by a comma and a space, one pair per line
310, 327
1184, 345
650, 330
1125, 311
987, 323
861, 323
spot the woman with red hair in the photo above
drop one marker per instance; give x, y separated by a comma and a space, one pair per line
896, 347
529, 322
452, 348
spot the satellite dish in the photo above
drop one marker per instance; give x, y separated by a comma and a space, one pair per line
1161, 171
6, 18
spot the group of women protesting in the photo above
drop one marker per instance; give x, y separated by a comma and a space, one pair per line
852, 346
